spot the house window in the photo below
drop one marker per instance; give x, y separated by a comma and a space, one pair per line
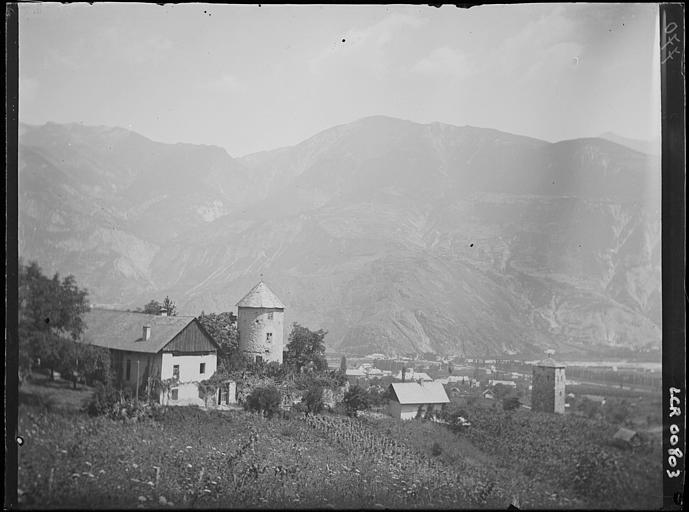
259, 359
270, 315
175, 371
129, 368
202, 368
174, 394
269, 337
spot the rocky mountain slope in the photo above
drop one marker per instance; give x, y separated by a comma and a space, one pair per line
394, 236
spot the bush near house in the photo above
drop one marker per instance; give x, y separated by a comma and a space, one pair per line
355, 400
265, 400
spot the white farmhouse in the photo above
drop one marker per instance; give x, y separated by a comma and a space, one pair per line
146, 349
407, 398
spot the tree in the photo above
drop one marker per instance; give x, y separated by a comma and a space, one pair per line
169, 306
343, 364
223, 329
616, 411
589, 407
153, 307
510, 403
265, 400
306, 346
501, 391
50, 317
355, 400
82, 360
313, 399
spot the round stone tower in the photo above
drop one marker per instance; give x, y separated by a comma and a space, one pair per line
260, 320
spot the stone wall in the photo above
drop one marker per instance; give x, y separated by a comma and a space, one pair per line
254, 325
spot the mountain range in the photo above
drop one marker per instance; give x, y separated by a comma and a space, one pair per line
394, 236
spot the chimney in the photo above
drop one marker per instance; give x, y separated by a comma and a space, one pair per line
163, 312
147, 333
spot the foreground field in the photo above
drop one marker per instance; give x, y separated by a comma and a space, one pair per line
195, 458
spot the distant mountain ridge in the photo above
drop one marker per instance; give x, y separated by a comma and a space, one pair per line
392, 235
649, 147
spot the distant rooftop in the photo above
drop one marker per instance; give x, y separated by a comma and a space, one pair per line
260, 296
415, 393
550, 363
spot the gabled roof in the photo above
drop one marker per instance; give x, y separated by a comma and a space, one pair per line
503, 382
260, 296
624, 434
415, 393
123, 330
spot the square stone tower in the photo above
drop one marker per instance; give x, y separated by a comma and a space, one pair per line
548, 387
260, 320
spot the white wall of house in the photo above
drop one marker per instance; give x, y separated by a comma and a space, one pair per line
162, 364
409, 411
187, 391
189, 366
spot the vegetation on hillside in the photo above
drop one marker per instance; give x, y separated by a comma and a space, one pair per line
50, 322
153, 307
306, 349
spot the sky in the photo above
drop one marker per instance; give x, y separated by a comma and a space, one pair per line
251, 78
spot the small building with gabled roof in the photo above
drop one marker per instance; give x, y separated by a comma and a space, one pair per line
146, 350
407, 399
261, 316
625, 437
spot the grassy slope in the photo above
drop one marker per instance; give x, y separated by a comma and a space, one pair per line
544, 461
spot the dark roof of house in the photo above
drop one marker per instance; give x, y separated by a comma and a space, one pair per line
123, 330
260, 296
424, 393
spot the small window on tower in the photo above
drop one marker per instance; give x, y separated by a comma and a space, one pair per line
269, 337
270, 315
174, 394
202, 368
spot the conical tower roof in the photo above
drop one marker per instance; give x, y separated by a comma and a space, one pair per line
260, 296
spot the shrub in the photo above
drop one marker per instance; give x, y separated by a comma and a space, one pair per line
104, 399
355, 400
436, 449
313, 399
510, 403
265, 400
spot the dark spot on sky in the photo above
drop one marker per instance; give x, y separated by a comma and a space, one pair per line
471, 245
47, 320
343, 40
